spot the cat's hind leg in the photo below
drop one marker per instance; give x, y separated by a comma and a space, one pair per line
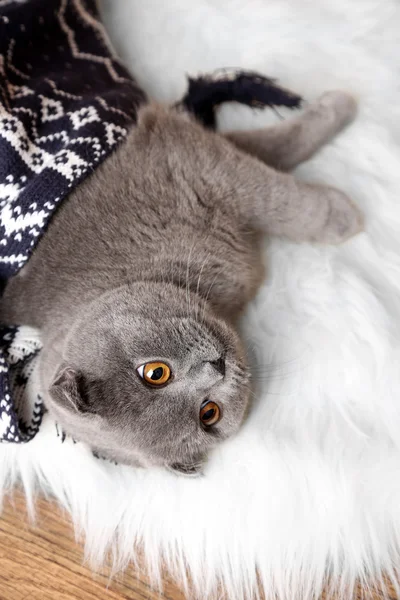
291, 142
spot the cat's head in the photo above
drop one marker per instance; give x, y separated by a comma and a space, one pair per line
150, 376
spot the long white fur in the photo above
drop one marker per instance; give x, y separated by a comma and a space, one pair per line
313, 480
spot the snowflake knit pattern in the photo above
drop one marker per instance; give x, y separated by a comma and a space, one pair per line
65, 104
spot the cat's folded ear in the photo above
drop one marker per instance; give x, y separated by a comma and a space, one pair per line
70, 389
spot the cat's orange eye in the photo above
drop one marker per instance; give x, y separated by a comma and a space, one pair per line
209, 413
155, 373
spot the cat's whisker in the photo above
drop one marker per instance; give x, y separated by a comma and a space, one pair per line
198, 282
260, 366
209, 291
187, 278
256, 397
272, 377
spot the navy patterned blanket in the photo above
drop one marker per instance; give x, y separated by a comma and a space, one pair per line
65, 103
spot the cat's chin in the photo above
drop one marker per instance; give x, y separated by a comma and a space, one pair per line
192, 470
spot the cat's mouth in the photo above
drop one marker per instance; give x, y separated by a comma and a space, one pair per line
194, 469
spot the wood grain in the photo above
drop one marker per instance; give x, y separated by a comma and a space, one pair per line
44, 562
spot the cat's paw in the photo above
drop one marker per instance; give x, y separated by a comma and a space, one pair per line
341, 105
343, 221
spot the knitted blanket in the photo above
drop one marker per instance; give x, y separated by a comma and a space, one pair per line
65, 104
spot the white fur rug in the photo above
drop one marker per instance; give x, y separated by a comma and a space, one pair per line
312, 484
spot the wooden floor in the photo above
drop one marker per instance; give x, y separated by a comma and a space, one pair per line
45, 563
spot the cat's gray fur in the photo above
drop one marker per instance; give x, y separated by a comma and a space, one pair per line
155, 256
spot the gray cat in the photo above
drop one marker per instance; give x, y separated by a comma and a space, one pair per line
145, 269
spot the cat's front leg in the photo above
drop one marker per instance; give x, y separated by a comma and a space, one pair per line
315, 213
279, 204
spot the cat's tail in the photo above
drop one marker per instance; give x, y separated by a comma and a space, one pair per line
206, 92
